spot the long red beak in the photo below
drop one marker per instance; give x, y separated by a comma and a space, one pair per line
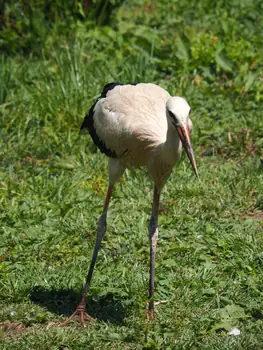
184, 135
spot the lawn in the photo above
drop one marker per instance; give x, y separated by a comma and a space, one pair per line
53, 180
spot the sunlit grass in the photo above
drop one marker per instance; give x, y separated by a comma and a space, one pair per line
209, 263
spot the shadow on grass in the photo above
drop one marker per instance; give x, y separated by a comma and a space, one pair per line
64, 302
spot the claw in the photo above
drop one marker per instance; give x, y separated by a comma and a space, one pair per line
81, 316
150, 315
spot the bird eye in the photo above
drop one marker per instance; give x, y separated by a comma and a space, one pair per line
174, 119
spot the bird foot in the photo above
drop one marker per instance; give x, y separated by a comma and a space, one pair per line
81, 316
151, 315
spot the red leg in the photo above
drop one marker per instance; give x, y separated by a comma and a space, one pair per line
153, 236
81, 313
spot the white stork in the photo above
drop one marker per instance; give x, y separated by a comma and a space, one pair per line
137, 125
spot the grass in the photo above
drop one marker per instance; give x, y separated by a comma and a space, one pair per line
53, 182
209, 264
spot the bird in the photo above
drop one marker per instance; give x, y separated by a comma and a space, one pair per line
137, 125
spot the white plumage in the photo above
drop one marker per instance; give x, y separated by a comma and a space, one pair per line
137, 125
131, 121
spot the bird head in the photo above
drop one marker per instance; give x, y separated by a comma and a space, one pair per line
178, 111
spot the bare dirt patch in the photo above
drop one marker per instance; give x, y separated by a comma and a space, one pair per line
12, 328
256, 216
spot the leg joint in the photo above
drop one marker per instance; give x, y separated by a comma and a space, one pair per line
153, 233
102, 224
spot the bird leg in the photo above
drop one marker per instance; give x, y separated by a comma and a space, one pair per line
153, 237
80, 312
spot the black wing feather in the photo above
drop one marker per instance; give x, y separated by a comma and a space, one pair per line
88, 123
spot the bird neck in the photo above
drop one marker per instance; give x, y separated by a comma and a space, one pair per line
172, 147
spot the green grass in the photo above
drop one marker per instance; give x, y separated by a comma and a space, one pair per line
53, 182
209, 263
